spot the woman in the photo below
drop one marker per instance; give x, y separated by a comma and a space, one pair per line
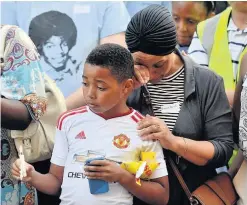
188, 109
22, 96
187, 14
238, 170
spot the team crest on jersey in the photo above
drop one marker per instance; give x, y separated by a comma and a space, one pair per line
121, 141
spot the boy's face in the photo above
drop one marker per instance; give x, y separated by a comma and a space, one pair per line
102, 92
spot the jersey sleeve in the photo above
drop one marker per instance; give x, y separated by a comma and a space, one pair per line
60, 150
150, 146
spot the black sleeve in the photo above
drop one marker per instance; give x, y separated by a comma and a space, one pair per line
134, 99
14, 115
217, 120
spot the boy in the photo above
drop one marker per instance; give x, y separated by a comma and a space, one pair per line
105, 127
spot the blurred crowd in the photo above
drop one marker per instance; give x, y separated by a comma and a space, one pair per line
171, 45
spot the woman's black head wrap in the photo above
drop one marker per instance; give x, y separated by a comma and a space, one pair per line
152, 31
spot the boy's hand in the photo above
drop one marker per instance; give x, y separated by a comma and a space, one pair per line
104, 170
16, 169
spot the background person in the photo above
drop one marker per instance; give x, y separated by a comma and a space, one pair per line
187, 14
95, 23
22, 85
135, 6
178, 95
220, 42
238, 169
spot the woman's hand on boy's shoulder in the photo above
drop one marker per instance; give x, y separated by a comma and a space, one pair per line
153, 128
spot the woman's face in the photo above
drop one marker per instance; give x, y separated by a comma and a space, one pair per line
158, 66
55, 51
186, 16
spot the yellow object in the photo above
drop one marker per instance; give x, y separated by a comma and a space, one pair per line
220, 59
131, 167
149, 169
138, 181
142, 169
234, 154
146, 156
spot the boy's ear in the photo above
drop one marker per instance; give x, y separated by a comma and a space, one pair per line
128, 86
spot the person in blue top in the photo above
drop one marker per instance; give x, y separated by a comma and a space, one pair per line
65, 33
52, 24
187, 15
135, 6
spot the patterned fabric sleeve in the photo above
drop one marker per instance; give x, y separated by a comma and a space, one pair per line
243, 120
21, 76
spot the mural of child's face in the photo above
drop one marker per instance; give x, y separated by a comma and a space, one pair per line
55, 51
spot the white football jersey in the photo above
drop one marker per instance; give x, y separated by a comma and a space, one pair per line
82, 134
